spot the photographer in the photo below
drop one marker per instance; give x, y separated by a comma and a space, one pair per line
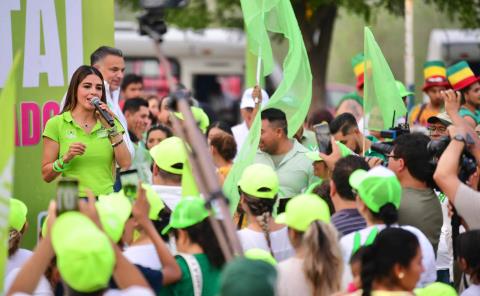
465, 199
419, 207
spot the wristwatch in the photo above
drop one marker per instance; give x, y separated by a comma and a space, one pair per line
459, 138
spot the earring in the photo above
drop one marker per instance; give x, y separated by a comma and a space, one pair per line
401, 275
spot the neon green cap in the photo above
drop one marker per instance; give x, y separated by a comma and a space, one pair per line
85, 257
260, 254
120, 202
403, 90
377, 187
189, 211
155, 201
170, 155
114, 210
302, 210
200, 117
18, 214
259, 180
344, 151
436, 289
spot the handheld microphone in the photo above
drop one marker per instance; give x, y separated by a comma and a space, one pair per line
96, 103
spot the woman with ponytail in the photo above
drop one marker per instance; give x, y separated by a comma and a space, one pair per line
258, 189
378, 194
316, 268
391, 265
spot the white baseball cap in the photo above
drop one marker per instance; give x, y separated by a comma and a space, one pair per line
247, 99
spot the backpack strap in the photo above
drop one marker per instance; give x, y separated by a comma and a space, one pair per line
422, 108
357, 243
195, 273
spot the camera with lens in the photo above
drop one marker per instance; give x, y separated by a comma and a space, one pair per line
468, 165
391, 134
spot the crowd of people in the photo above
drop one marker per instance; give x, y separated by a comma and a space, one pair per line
399, 218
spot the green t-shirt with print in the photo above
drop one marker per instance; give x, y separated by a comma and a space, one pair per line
95, 168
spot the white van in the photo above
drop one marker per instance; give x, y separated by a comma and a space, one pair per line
210, 62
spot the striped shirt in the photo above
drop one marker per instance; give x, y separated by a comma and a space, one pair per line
347, 221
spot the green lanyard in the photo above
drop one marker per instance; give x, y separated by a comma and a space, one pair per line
357, 239
442, 197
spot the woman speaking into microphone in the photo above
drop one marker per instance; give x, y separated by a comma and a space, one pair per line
79, 142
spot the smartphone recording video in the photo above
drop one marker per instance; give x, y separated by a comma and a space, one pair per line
67, 195
322, 133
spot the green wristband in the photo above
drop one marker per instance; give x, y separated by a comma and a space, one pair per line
56, 168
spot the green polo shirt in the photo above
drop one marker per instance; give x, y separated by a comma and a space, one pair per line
95, 168
295, 170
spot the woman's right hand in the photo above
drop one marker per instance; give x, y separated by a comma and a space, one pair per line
75, 149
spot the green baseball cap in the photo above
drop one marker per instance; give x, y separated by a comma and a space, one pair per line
170, 155
259, 180
200, 117
377, 187
114, 210
402, 89
155, 201
189, 211
85, 257
260, 254
18, 214
436, 289
244, 276
344, 151
120, 202
302, 210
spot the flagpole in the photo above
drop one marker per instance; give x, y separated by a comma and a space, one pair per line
259, 65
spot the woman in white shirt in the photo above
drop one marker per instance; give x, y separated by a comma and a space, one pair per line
316, 268
258, 188
17, 227
378, 199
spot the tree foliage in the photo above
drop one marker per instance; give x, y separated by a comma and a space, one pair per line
316, 19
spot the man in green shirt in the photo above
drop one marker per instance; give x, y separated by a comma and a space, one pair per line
419, 206
286, 156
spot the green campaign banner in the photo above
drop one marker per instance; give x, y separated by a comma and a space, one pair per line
56, 37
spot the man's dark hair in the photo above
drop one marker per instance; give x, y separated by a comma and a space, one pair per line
342, 171
129, 79
277, 117
103, 51
464, 91
344, 123
412, 148
134, 104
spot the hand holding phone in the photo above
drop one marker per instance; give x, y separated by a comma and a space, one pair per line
322, 134
67, 195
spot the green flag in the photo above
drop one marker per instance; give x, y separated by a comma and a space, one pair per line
7, 134
382, 102
293, 95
